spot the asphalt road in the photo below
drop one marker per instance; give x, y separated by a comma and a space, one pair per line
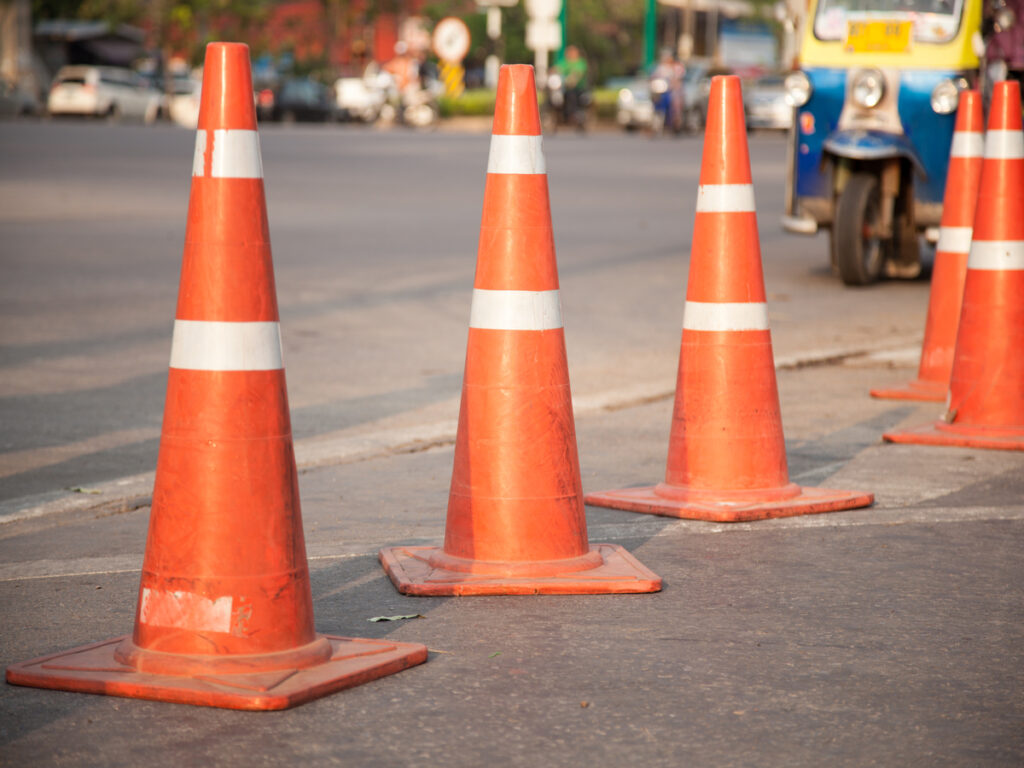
374, 239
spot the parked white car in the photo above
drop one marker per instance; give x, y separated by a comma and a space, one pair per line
183, 103
110, 92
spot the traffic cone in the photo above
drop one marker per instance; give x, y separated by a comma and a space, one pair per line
985, 407
950, 269
726, 455
516, 524
225, 613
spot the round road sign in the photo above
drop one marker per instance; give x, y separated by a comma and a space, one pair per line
451, 39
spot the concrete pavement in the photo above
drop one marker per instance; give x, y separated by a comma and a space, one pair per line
885, 636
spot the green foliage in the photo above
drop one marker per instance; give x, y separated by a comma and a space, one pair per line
472, 103
609, 33
606, 103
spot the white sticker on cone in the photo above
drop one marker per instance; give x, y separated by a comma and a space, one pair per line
967, 144
516, 154
996, 255
185, 610
955, 239
1004, 145
515, 310
725, 198
206, 345
234, 154
199, 155
725, 316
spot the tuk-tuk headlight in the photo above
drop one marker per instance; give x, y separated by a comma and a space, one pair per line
945, 97
868, 88
798, 89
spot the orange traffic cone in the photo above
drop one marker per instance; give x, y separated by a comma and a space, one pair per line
225, 613
950, 268
985, 408
726, 456
516, 522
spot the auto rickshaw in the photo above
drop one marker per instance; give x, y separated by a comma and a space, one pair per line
875, 99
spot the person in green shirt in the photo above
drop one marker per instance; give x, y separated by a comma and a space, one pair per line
574, 73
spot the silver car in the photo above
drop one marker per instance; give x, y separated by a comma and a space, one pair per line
111, 92
764, 101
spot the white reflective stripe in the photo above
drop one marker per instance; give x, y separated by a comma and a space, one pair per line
725, 316
516, 154
199, 156
236, 154
515, 310
967, 144
725, 198
1004, 145
954, 239
203, 345
185, 610
996, 254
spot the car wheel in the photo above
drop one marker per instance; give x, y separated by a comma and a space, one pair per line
113, 113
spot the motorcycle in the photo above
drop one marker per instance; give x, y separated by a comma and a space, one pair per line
564, 106
875, 104
420, 107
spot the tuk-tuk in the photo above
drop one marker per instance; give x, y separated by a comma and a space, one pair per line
875, 99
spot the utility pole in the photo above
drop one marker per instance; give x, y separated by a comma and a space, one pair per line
650, 33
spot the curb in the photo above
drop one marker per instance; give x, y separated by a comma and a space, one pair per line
130, 493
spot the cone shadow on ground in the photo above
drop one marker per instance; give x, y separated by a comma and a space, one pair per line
814, 461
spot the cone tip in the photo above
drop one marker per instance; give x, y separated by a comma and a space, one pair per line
969, 117
515, 109
227, 96
1005, 114
726, 158
725, 87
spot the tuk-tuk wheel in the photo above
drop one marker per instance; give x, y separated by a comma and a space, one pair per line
859, 252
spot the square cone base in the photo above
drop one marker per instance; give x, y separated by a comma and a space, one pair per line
810, 501
618, 573
93, 669
925, 391
932, 435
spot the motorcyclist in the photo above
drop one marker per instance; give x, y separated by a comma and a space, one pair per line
667, 92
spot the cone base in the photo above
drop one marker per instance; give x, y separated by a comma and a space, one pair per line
619, 572
918, 389
931, 434
810, 501
93, 669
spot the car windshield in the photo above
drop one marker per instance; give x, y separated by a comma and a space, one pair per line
934, 21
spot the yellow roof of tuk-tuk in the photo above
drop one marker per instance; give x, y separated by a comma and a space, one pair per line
957, 53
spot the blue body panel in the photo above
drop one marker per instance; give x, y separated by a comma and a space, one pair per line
931, 134
828, 90
926, 140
